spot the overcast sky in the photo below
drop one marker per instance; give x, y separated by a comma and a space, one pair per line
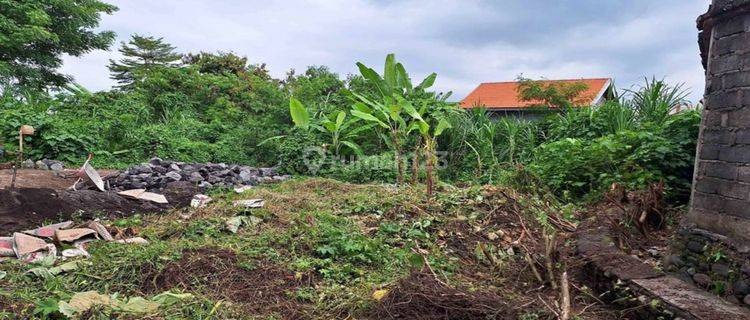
465, 42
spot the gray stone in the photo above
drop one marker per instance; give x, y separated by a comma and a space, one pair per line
695, 246
175, 167
741, 288
720, 269
247, 176
56, 166
747, 299
156, 161
702, 280
28, 164
745, 268
160, 170
205, 185
138, 185
142, 169
195, 177
173, 176
674, 260
222, 173
41, 165
267, 172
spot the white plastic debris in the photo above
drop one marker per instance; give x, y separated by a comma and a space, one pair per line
200, 201
250, 203
242, 189
135, 240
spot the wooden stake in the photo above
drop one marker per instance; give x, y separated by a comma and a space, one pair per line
565, 304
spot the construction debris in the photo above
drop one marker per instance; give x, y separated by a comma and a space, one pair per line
242, 189
135, 240
25, 244
49, 231
29, 246
249, 203
142, 194
234, 223
101, 230
200, 201
71, 235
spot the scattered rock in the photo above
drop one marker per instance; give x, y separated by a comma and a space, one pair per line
747, 299
741, 288
174, 176
695, 246
720, 269
250, 203
28, 164
56, 167
674, 260
745, 268
157, 173
40, 165
702, 280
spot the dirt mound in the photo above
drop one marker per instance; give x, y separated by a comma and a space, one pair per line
265, 289
26, 208
421, 296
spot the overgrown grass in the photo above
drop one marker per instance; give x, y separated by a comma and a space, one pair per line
347, 240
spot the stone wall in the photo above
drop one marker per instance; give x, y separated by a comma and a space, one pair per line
721, 190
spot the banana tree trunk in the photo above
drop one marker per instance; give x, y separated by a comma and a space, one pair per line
415, 163
430, 164
399, 163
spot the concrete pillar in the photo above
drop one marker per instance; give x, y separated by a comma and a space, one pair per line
720, 200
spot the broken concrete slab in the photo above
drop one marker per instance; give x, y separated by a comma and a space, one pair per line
24, 244
49, 231
6, 247
142, 194
200, 201
101, 230
249, 203
70, 235
93, 176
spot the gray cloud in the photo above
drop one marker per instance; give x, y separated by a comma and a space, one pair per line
465, 42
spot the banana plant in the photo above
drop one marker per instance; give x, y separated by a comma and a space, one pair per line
389, 112
340, 130
431, 120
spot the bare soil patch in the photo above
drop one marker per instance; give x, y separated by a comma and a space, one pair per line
421, 296
27, 178
264, 289
27, 208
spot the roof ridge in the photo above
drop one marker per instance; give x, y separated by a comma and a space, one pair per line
570, 79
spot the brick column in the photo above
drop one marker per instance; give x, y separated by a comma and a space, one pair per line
721, 187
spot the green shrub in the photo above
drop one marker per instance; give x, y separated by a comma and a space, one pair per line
377, 168
575, 168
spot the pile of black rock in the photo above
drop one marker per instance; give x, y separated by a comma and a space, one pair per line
157, 173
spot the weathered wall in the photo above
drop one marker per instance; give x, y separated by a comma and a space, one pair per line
721, 190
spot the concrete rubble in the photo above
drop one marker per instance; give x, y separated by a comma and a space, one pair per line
32, 245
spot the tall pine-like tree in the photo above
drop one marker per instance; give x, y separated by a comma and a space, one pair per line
142, 54
35, 34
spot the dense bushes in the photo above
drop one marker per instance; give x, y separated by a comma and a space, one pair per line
176, 112
577, 153
217, 109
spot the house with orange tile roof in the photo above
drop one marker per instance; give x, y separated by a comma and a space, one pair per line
502, 98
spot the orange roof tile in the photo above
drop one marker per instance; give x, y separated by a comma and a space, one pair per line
504, 95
